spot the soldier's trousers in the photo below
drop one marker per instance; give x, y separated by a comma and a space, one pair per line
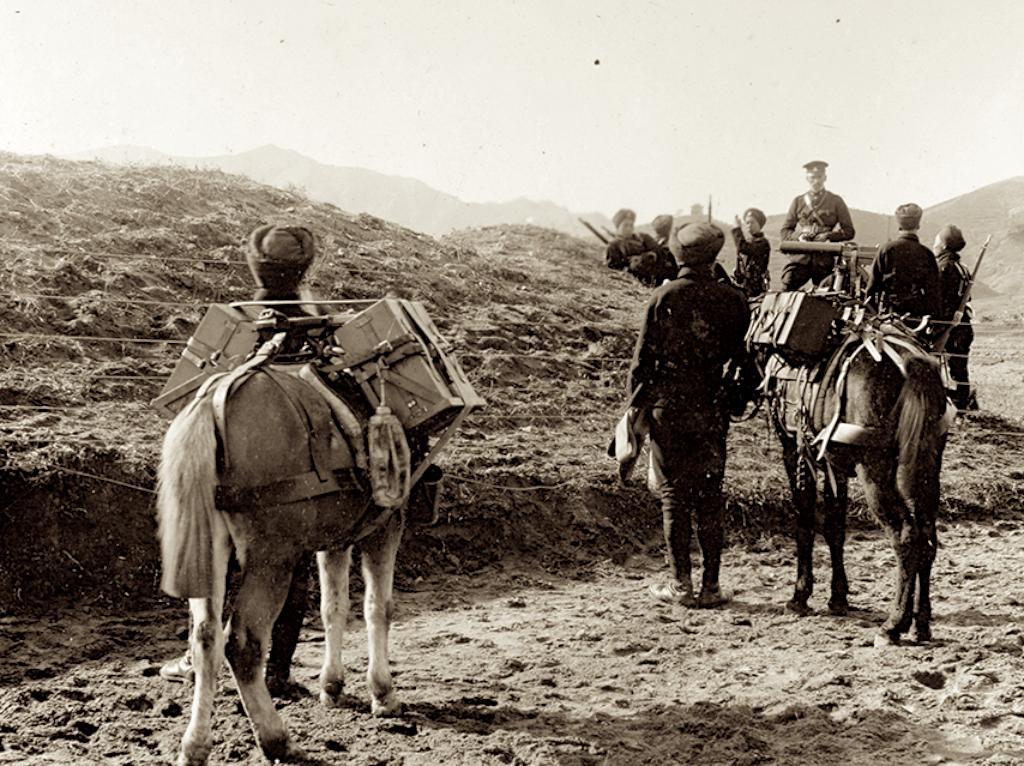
959, 346
688, 458
796, 274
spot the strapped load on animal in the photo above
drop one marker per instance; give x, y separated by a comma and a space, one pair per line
380, 367
797, 325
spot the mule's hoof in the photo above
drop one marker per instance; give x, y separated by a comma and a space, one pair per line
386, 708
193, 755
283, 751
839, 608
798, 608
332, 694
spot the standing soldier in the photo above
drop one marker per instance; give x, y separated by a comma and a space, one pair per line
693, 326
955, 283
815, 216
751, 254
904, 276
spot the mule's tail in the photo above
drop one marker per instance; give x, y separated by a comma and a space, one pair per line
921, 406
190, 526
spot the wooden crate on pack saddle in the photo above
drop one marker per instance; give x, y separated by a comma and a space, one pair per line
396, 354
225, 337
794, 323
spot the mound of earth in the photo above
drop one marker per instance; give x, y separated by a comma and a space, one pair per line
105, 272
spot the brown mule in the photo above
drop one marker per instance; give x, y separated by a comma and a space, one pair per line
897, 406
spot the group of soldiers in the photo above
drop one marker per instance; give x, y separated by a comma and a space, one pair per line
694, 327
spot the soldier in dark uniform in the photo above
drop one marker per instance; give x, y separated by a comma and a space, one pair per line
816, 216
904, 276
693, 326
635, 252
665, 266
752, 254
955, 283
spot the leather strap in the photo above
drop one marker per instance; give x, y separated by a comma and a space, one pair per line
292, 489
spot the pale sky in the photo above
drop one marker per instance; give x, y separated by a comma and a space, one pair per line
593, 104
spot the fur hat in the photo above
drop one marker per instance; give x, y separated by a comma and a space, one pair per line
908, 216
279, 256
663, 225
756, 214
622, 215
951, 238
699, 243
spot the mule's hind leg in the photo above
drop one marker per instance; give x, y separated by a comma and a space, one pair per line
834, 530
378, 558
928, 543
334, 570
804, 491
878, 477
207, 642
263, 592
925, 500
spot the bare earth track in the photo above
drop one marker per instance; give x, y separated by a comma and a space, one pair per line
523, 635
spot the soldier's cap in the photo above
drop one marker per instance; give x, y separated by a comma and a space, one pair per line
662, 225
815, 165
908, 216
278, 256
622, 215
699, 243
951, 238
757, 215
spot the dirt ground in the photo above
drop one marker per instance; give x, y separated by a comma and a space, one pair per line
517, 665
523, 632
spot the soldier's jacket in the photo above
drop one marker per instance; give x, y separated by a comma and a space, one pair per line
906, 275
820, 218
751, 261
693, 326
954, 281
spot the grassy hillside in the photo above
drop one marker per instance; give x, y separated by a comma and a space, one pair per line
105, 272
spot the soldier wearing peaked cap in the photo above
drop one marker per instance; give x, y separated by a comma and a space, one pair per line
692, 327
818, 215
904, 276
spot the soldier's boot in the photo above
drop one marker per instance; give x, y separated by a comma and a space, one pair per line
676, 593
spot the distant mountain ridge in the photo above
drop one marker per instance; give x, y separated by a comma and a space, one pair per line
996, 209
404, 201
